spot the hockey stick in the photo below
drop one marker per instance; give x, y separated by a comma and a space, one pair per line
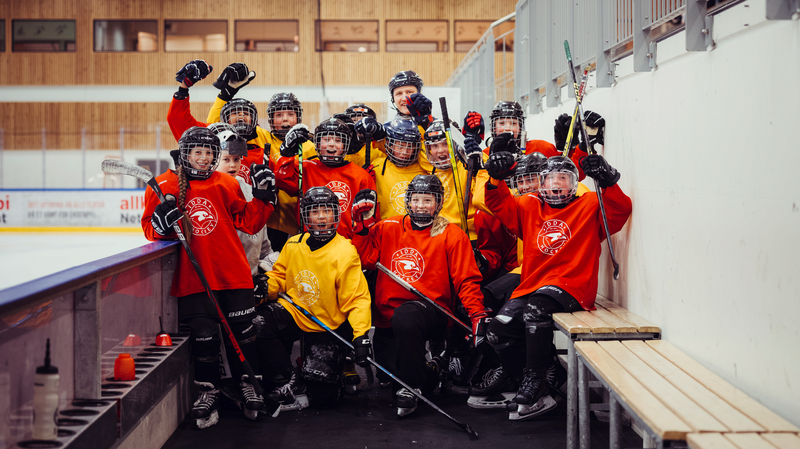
413, 290
453, 160
464, 426
590, 150
117, 167
367, 150
300, 181
578, 99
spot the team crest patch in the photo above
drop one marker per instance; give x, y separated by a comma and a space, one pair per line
203, 215
307, 287
342, 191
408, 264
398, 197
244, 172
553, 236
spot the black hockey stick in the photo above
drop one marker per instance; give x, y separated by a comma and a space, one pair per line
590, 150
464, 426
367, 150
413, 290
452, 149
116, 167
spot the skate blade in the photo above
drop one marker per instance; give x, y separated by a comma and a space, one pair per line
525, 411
300, 402
210, 420
401, 412
494, 401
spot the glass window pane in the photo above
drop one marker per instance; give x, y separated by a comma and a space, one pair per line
347, 35
417, 35
2, 35
469, 31
125, 35
267, 35
195, 35
43, 35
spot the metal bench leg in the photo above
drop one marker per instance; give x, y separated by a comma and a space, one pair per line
583, 406
572, 396
615, 424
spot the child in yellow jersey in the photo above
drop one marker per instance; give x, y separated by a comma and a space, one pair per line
321, 271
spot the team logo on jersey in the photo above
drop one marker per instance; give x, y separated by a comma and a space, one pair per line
244, 172
203, 216
408, 264
342, 191
553, 236
445, 183
398, 197
307, 287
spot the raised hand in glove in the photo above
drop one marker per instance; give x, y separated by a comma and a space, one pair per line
369, 125
504, 142
363, 211
501, 165
263, 181
193, 72
472, 149
420, 109
561, 129
474, 125
363, 349
480, 322
595, 128
165, 216
233, 78
298, 135
596, 167
260, 287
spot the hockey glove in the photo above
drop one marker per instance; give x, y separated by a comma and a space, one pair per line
193, 72
595, 128
480, 323
420, 109
298, 135
363, 211
263, 181
596, 167
369, 125
233, 78
501, 165
363, 349
474, 125
480, 260
165, 216
260, 288
560, 131
472, 149
504, 142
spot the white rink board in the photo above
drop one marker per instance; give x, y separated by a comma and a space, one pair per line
71, 208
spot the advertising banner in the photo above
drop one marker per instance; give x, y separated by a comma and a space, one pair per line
120, 208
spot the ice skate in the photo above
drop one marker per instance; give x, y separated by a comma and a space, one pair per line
351, 378
532, 398
291, 394
205, 409
557, 378
252, 402
406, 402
496, 391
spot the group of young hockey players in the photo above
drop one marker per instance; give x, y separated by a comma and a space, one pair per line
441, 258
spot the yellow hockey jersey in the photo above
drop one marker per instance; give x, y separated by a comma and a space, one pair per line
391, 182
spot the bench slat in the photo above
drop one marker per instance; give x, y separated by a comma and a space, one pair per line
660, 419
783, 440
596, 325
572, 324
744, 403
691, 413
620, 325
642, 324
735, 420
709, 441
748, 441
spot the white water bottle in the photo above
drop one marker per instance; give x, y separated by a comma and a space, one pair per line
45, 400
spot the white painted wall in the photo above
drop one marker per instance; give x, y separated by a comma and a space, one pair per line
708, 149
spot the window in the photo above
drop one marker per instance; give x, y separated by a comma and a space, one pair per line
347, 35
125, 35
267, 35
2, 35
417, 35
468, 32
195, 35
43, 35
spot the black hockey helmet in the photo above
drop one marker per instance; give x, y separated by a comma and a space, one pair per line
229, 139
404, 78
283, 101
198, 136
236, 110
434, 135
559, 180
332, 134
356, 141
509, 110
358, 111
526, 175
319, 209
424, 184
402, 142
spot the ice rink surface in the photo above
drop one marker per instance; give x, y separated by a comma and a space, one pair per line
28, 256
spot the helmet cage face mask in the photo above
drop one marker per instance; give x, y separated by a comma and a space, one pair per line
435, 137
526, 183
238, 108
326, 138
423, 218
567, 186
283, 102
402, 153
518, 123
321, 219
186, 150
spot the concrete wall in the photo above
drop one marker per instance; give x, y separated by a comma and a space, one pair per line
708, 150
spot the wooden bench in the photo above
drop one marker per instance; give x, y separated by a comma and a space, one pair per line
743, 440
671, 396
609, 322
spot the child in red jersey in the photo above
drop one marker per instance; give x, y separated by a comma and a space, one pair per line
210, 207
431, 254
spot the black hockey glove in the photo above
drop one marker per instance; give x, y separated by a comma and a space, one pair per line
165, 216
504, 142
501, 165
420, 109
363, 349
595, 128
363, 211
560, 131
263, 181
472, 149
474, 125
193, 72
298, 135
233, 78
369, 125
260, 288
480, 260
596, 167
